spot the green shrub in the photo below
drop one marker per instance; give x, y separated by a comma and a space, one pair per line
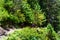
52, 34
27, 33
38, 14
40, 18
15, 14
28, 12
20, 11
3, 14
19, 18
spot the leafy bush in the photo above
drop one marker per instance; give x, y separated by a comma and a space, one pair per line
52, 34
21, 11
34, 34
3, 14
17, 18
40, 18
14, 15
27, 11
39, 15
26, 34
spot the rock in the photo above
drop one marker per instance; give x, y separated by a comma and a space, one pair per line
2, 31
8, 32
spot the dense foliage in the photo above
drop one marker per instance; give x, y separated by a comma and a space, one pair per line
27, 33
42, 14
52, 8
22, 11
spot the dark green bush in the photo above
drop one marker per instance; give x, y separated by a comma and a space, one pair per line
22, 11
51, 8
58, 16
